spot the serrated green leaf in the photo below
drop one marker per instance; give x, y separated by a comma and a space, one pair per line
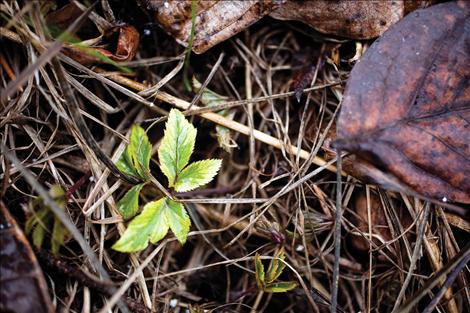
276, 266
281, 286
259, 267
177, 145
197, 174
178, 220
59, 234
140, 151
124, 164
129, 204
151, 224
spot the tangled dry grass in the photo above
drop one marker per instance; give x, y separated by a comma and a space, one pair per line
276, 188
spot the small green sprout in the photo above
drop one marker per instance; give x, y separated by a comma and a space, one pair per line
267, 281
42, 219
157, 217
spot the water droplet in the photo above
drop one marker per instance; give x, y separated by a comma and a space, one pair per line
444, 199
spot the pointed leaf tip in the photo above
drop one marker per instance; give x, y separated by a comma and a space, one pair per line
197, 174
177, 145
129, 204
178, 220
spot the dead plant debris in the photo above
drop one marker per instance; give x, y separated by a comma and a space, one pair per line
262, 234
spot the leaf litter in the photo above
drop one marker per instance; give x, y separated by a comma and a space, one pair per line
258, 202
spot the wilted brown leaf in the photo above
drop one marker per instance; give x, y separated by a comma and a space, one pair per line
125, 38
406, 105
22, 285
118, 43
217, 21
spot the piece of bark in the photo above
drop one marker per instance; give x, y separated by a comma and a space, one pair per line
22, 285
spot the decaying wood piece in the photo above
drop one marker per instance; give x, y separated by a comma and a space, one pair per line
217, 21
22, 285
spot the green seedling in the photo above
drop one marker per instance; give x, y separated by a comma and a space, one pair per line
157, 217
42, 218
267, 282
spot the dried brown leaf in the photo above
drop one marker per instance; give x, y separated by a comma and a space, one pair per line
217, 21
352, 19
406, 106
126, 45
22, 285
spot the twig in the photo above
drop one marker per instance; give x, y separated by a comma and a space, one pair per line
415, 256
81, 125
436, 279
218, 119
337, 232
448, 282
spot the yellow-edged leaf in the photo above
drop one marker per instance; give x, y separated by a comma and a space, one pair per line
140, 151
150, 224
129, 204
259, 267
281, 286
276, 266
197, 174
178, 220
125, 165
177, 145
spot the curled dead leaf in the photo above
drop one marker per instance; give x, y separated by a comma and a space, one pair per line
217, 21
406, 107
118, 43
125, 38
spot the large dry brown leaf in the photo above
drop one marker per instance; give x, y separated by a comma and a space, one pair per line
351, 19
217, 21
406, 108
22, 285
